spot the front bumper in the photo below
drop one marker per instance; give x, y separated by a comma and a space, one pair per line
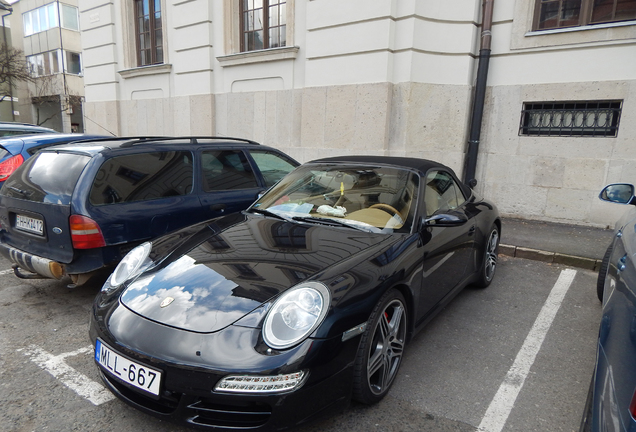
192, 364
236, 411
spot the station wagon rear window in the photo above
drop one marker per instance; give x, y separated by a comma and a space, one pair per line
47, 177
142, 177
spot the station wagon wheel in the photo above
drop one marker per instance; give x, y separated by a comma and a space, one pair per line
381, 349
489, 265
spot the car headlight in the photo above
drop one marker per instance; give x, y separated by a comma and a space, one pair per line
133, 263
295, 314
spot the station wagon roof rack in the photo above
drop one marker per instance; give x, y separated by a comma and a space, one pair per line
116, 138
193, 139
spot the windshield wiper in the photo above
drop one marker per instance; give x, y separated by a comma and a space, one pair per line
269, 213
327, 221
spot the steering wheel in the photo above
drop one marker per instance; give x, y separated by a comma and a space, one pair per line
387, 208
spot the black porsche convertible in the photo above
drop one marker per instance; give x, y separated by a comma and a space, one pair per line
267, 318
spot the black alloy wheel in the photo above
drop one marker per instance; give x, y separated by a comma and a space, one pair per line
381, 349
491, 252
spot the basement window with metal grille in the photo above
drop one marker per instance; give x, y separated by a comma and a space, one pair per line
573, 118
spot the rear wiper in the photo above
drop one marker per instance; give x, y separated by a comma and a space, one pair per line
326, 221
20, 191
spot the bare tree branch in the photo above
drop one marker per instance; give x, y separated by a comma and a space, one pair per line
13, 66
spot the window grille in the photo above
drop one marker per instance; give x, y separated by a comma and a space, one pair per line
581, 118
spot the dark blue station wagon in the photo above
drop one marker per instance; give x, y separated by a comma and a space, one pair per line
75, 210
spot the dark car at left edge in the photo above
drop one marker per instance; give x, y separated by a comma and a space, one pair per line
75, 210
270, 317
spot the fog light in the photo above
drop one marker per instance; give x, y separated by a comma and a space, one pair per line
260, 384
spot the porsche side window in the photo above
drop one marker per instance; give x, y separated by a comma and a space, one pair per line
441, 193
226, 170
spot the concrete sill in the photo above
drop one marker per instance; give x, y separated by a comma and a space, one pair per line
145, 70
261, 56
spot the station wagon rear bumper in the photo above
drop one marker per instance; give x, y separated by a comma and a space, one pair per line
32, 263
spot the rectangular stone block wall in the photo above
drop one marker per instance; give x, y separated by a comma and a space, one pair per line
555, 178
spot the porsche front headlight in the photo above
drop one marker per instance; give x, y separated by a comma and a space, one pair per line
132, 264
295, 314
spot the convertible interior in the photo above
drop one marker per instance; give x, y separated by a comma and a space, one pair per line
382, 200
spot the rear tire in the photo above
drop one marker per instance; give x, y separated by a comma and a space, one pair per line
381, 348
602, 273
491, 256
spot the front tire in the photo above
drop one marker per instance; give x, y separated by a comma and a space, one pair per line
491, 253
381, 349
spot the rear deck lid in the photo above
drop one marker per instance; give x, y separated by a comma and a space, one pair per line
35, 204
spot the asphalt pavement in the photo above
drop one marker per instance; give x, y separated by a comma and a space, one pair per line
573, 245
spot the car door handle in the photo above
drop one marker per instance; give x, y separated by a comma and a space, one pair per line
471, 231
621, 263
218, 207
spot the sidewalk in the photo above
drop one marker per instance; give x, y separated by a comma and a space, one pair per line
572, 245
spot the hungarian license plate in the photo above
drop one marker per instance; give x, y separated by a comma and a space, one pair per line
130, 372
32, 225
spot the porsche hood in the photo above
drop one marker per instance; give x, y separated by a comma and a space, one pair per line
219, 275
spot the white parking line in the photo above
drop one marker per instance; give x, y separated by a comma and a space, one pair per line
4, 272
71, 378
503, 402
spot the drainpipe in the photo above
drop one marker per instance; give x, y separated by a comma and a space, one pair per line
64, 98
9, 9
470, 163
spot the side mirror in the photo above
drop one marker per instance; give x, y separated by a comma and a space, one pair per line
620, 193
445, 219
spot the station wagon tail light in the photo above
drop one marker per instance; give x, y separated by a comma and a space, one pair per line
7, 167
632, 406
85, 233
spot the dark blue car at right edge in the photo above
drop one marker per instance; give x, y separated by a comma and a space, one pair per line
613, 406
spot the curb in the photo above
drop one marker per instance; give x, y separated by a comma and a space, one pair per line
550, 257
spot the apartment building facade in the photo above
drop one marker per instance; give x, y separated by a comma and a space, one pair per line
49, 34
384, 77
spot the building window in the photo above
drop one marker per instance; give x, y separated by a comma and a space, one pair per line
584, 118
289, 236
551, 14
43, 64
46, 17
70, 19
245, 271
73, 63
48, 63
148, 31
263, 24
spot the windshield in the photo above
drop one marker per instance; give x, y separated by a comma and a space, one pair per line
378, 199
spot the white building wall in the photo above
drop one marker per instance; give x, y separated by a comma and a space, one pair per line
388, 77
556, 178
